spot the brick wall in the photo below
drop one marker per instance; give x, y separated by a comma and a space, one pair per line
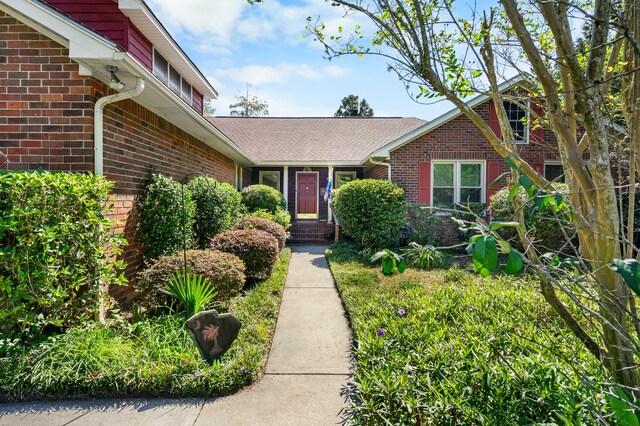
45, 116
459, 139
46, 121
377, 172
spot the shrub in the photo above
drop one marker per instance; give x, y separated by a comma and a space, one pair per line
225, 271
545, 224
57, 250
257, 249
162, 220
282, 217
370, 211
218, 206
253, 222
262, 197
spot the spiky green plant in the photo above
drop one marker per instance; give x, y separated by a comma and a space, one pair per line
195, 292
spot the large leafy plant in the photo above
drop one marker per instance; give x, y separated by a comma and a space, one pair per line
57, 251
390, 261
193, 291
162, 219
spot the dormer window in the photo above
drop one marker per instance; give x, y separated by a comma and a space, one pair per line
185, 91
519, 120
172, 78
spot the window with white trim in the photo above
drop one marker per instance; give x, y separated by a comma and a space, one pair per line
160, 67
457, 182
171, 77
519, 120
553, 171
344, 177
270, 178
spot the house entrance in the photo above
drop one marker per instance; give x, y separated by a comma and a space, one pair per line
306, 195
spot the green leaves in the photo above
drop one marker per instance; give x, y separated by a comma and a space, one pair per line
629, 269
623, 410
514, 263
485, 255
390, 261
195, 292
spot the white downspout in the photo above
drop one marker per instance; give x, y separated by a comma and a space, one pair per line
382, 163
98, 122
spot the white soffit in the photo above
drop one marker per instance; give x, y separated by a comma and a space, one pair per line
149, 25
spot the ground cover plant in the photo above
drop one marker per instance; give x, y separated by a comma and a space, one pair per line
152, 357
447, 347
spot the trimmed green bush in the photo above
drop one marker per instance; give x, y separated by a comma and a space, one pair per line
218, 206
262, 197
282, 217
57, 250
253, 222
224, 270
257, 249
545, 224
161, 223
370, 211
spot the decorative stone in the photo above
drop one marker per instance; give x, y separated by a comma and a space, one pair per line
213, 333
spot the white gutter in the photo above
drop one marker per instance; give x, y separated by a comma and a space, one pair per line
98, 121
382, 163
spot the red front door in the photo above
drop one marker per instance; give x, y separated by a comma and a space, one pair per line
307, 194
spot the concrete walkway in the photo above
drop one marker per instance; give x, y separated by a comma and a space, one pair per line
308, 366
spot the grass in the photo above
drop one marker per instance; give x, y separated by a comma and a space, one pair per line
447, 347
155, 357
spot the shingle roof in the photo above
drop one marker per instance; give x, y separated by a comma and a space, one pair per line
324, 139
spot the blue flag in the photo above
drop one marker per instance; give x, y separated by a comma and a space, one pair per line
327, 193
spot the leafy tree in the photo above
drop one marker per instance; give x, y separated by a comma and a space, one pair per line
441, 51
351, 106
248, 106
209, 110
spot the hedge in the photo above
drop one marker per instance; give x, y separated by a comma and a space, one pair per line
253, 222
162, 220
225, 271
57, 250
218, 207
370, 211
262, 197
257, 249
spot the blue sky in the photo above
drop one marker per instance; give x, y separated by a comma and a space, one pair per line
233, 42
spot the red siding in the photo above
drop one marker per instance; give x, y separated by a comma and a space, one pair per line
197, 101
140, 48
104, 17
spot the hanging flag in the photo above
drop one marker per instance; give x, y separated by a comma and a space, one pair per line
327, 193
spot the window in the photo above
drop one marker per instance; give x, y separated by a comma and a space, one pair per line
186, 91
270, 178
519, 120
457, 182
174, 80
160, 67
344, 177
553, 171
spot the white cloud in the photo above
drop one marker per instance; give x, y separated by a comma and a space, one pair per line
201, 17
280, 73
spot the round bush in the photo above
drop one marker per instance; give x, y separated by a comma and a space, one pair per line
545, 224
262, 197
370, 211
282, 217
218, 206
253, 222
224, 270
257, 249
161, 224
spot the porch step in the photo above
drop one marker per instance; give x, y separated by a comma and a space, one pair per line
311, 231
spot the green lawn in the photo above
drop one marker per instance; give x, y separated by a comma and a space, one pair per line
154, 357
447, 347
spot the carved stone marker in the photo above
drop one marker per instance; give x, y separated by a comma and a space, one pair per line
213, 333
